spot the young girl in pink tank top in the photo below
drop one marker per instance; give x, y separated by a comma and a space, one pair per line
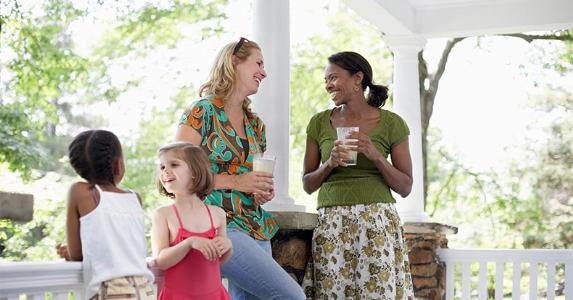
188, 238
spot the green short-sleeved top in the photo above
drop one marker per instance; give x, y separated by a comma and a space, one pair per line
363, 183
227, 156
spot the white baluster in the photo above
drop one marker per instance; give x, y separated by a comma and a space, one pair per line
533, 273
36, 296
533, 257
60, 295
516, 291
569, 280
466, 280
79, 294
450, 271
482, 284
550, 281
499, 266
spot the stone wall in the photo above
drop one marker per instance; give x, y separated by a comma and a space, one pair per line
292, 244
428, 273
16, 207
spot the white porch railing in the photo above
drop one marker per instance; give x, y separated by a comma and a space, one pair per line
38, 279
45, 279
534, 260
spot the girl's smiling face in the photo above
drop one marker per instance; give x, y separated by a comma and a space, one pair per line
175, 174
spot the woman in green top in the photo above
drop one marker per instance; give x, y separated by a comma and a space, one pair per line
224, 126
358, 245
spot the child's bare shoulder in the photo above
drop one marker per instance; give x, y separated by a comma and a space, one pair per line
80, 190
163, 210
80, 186
217, 211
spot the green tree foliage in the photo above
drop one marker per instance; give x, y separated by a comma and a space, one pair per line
157, 130
455, 189
35, 240
529, 204
50, 89
430, 79
41, 69
47, 78
547, 173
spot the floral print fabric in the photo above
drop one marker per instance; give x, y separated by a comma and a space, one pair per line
227, 156
359, 253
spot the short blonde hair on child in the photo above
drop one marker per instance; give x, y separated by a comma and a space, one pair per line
198, 164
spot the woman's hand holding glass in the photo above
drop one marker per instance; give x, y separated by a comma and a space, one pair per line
338, 154
260, 199
363, 144
261, 184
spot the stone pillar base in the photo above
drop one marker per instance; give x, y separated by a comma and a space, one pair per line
292, 244
428, 273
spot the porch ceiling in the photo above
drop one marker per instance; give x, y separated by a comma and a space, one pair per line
458, 18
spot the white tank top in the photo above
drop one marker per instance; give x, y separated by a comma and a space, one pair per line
113, 240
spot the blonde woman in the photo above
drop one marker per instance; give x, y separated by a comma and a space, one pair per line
224, 126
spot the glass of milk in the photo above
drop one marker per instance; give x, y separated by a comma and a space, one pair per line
342, 135
263, 162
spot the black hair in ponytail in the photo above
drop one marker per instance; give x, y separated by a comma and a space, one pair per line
354, 63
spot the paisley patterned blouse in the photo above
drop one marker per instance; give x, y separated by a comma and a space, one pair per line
227, 156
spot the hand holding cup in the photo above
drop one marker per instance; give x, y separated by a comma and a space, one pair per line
348, 143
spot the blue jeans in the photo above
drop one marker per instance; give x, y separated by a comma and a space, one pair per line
254, 274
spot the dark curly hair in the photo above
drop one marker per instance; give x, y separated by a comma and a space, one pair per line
93, 155
354, 63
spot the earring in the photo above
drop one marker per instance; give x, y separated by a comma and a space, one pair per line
356, 89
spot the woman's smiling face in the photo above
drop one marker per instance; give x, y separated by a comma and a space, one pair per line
338, 83
251, 72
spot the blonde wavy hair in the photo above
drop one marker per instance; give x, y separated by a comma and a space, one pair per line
222, 76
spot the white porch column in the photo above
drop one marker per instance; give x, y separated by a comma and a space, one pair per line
407, 104
272, 102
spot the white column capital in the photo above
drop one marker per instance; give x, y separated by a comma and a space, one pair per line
405, 43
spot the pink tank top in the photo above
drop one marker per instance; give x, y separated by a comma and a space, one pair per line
194, 277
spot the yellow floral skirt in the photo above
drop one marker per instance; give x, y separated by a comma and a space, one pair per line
358, 252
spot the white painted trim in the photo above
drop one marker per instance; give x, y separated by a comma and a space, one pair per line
453, 18
40, 277
494, 18
395, 17
530, 258
34, 279
420, 4
506, 255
